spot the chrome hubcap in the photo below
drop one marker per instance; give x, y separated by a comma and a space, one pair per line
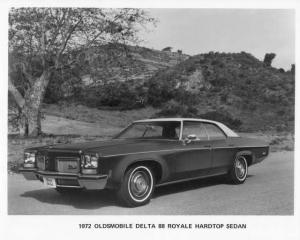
240, 168
139, 184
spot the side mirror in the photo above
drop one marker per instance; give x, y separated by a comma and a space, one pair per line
189, 138
192, 137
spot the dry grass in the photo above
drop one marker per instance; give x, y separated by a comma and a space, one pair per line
113, 118
69, 124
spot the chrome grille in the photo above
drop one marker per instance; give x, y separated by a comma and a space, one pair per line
41, 162
67, 164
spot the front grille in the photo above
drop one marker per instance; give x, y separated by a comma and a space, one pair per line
41, 162
67, 164
67, 182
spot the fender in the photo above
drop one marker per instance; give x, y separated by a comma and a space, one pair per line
122, 163
246, 153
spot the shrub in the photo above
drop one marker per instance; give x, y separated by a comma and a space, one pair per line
175, 109
269, 58
118, 95
159, 93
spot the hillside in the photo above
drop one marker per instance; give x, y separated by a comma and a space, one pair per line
108, 65
236, 85
124, 63
234, 88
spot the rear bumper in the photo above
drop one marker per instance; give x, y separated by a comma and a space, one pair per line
91, 182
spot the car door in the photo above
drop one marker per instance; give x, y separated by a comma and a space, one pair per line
194, 159
223, 151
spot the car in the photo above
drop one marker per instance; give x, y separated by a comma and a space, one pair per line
146, 154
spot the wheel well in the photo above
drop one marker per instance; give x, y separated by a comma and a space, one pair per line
248, 158
155, 167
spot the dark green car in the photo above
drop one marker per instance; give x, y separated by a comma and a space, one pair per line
146, 154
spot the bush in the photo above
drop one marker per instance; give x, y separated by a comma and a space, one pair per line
62, 87
222, 117
118, 95
159, 93
175, 109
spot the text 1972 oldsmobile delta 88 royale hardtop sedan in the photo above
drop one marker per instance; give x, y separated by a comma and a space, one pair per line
146, 154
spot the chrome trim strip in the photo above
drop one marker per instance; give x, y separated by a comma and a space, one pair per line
58, 174
180, 149
189, 179
240, 147
165, 150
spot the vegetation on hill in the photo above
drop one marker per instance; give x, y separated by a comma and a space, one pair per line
244, 90
235, 88
112, 75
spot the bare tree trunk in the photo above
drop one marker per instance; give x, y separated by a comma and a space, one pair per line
15, 92
33, 104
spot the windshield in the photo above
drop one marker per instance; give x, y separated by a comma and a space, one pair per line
151, 130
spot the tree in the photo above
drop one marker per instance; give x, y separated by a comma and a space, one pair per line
268, 59
167, 49
293, 68
49, 36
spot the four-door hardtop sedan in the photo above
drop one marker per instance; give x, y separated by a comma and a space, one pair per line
146, 154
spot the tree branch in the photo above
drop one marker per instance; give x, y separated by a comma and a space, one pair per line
70, 32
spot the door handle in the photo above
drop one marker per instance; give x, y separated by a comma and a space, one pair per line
207, 146
230, 145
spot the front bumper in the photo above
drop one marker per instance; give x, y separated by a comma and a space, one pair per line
91, 182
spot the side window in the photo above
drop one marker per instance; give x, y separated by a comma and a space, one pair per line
194, 128
214, 132
152, 131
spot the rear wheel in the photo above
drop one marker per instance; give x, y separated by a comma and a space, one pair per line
239, 170
137, 186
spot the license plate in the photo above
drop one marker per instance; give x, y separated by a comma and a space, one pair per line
49, 182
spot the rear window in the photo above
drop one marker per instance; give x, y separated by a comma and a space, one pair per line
214, 132
194, 128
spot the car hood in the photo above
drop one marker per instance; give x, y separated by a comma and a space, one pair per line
112, 147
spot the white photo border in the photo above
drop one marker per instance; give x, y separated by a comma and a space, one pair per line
67, 227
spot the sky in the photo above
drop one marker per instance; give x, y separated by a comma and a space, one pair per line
195, 31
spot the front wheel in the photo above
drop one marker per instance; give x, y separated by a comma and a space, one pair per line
137, 186
239, 170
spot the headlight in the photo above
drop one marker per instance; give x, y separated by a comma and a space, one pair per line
29, 159
90, 163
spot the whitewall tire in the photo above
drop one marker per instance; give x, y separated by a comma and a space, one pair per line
239, 170
137, 186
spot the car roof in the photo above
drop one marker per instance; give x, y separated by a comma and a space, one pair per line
175, 119
226, 129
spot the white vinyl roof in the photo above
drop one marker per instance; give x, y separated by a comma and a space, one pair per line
227, 130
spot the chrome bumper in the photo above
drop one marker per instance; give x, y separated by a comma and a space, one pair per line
91, 182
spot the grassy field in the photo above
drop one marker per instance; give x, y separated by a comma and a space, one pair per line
71, 123
93, 115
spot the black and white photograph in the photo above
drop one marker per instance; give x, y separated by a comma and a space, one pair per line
150, 111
